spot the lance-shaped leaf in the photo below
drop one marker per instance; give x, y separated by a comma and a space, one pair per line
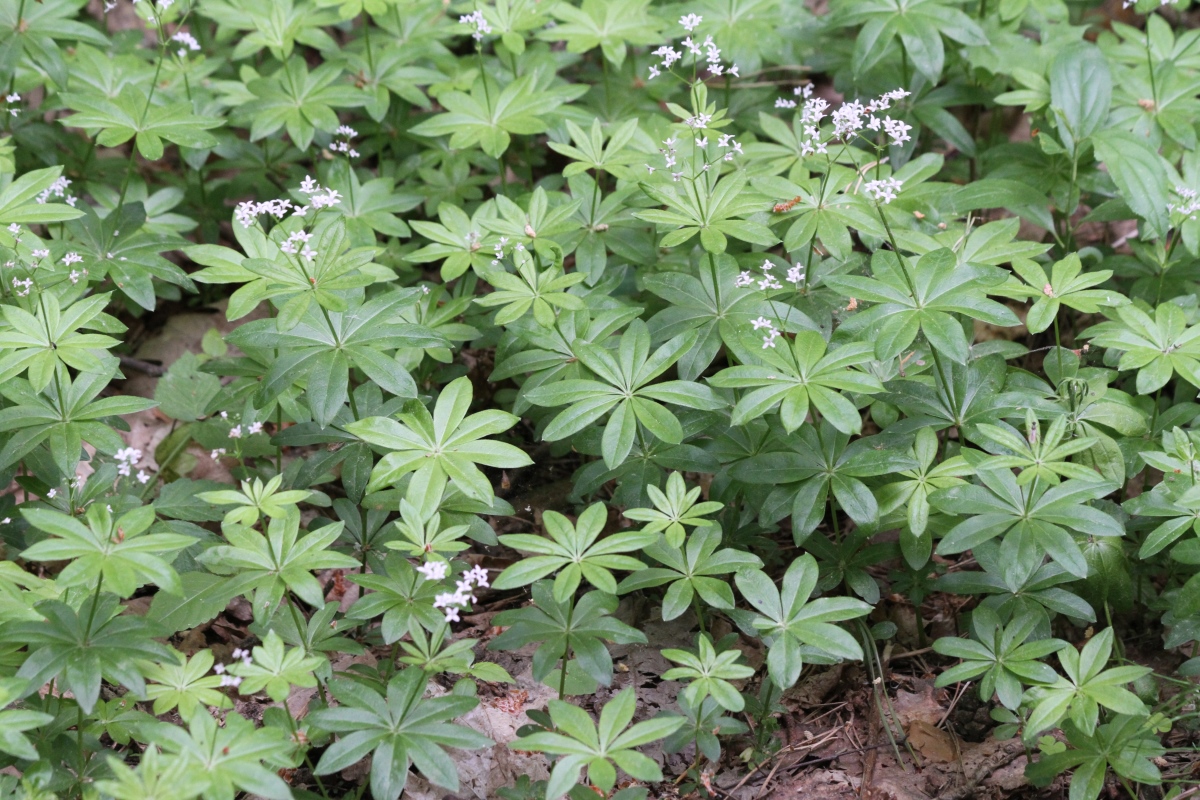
402, 729
41, 341
118, 552
130, 115
625, 389
690, 570
601, 747
576, 550
445, 444
789, 621
792, 377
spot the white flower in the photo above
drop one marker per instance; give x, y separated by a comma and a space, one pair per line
744, 279
433, 570
897, 129
481, 25
5, 521
767, 265
230, 680
52, 493
40, 253
143, 477
56, 189
882, 191
187, 40
14, 229
783, 102
72, 258
795, 274
13, 98
219, 669
452, 614
769, 339
255, 427
690, 21
215, 454
769, 282
309, 185
479, 575
235, 432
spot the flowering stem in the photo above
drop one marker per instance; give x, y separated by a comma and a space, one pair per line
367, 41
562, 678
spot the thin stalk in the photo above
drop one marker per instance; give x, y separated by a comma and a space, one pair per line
367, 41
562, 678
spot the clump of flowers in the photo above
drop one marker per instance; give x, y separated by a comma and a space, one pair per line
344, 136
706, 50
476, 19
127, 458
454, 602
849, 120
883, 191
187, 41
248, 212
57, 189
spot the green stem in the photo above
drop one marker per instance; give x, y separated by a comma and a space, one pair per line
367, 40
562, 678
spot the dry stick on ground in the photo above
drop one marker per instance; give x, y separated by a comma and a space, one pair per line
809, 745
802, 765
145, 367
1002, 758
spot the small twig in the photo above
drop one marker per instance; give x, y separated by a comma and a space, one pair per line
962, 689
910, 654
145, 367
1001, 759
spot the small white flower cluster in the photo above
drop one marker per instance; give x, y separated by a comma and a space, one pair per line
13, 98
1190, 204
1161, 3
318, 196
883, 191
343, 145
58, 189
249, 211
745, 278
298, 243
215, 454
473, 239
40, 253
73, 258
232, 680
707, 48
187, 40
454, 602
481, 25
237, 431
78, 482
847, 120
127, 458
17, 284
772, 333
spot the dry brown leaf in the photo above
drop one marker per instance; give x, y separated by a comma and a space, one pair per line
932, 743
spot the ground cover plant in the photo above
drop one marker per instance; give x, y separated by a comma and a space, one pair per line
615, 398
